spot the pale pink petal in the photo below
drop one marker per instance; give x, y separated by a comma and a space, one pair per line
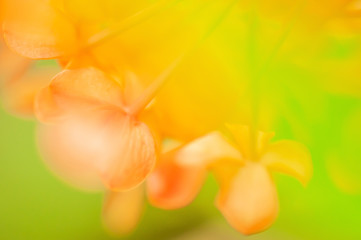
250, 202
63, 152
123, 210
207, 150
101, 145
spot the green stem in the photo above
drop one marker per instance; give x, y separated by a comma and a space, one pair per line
258, 74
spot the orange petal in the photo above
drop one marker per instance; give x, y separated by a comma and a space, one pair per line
207, 150
66, 153
87, 84
250, 204
12, 65
122, 210
181, 172
136, 156
242, 136
118, 150
77, 90
19, 95
36, 29
172, 186
46, 108
289, 157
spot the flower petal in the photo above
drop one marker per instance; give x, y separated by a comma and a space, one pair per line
250, 203
77, 90
36, 29
12, 65
46, 108
172, 186
19, 95
242, 136
101, 144
207, 150
122, 210
289, 157
136, 156
66, 153
87, 84
182, 171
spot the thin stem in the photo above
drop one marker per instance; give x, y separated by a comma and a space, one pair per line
258, 75
154, 88
254, 83
69, 63
282, 38
160, 81
129, 23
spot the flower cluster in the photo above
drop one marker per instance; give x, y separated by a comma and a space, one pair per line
146, 100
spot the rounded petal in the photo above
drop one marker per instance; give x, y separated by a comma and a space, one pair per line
172, 186
207, 150
291, 158
250, 202
87, 84
77, 90
12, 65
101, 144
123, 210
63, 152
36, 29
135, 158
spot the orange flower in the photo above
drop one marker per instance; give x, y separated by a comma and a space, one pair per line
82, 99
248, 197
94, 131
